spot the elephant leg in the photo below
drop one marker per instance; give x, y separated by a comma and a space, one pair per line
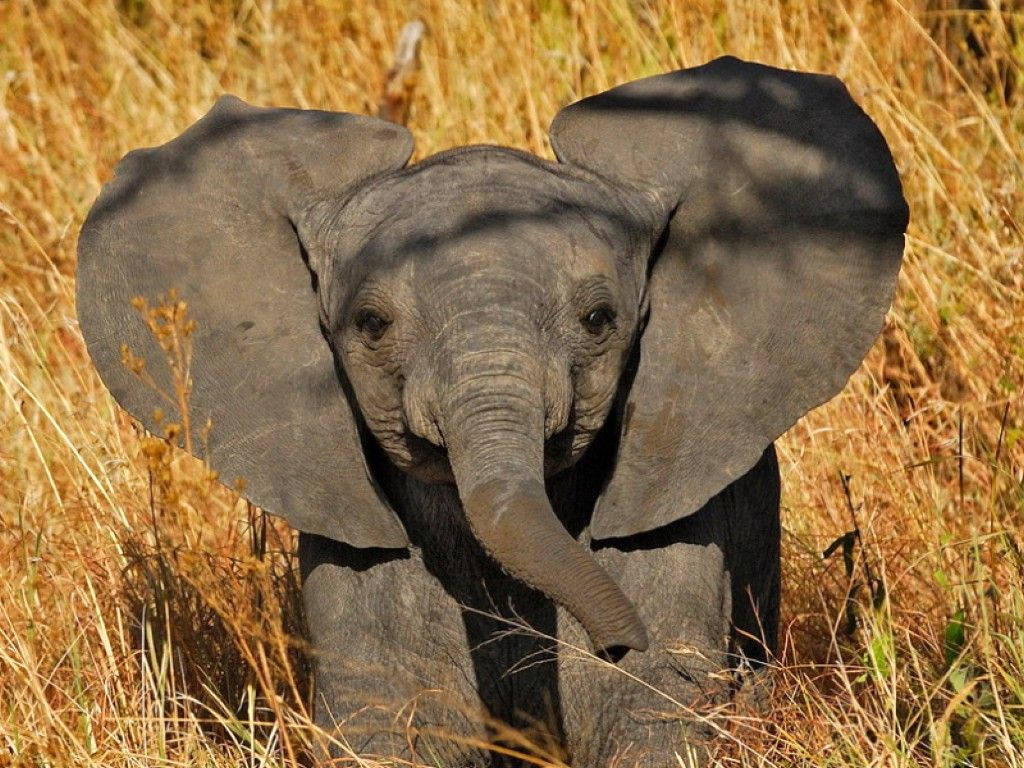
706, 587
392, 667
750, 509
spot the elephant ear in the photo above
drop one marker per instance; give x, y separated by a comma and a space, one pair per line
213, 215
785, 233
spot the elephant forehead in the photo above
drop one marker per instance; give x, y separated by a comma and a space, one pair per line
484, 198
519, 266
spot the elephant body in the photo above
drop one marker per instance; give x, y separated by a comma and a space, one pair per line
501, 395
410, 654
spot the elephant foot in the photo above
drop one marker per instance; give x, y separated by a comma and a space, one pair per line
649, 713
430, 729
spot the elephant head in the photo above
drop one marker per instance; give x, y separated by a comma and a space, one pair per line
710, 257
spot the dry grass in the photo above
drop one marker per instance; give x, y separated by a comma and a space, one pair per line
149, 618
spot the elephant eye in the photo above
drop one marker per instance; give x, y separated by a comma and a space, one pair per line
598, 319
372, 324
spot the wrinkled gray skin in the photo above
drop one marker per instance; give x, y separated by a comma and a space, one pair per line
541, 396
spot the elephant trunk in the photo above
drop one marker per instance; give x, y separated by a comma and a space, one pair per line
495, 439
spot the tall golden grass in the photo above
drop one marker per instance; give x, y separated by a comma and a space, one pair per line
147, 617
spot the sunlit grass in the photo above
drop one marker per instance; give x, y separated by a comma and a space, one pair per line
148, 617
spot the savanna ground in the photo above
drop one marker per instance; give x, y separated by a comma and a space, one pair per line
147, 617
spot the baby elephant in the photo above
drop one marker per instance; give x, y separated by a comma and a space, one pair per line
520, 410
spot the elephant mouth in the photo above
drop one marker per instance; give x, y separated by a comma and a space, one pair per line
429, 463
559, 453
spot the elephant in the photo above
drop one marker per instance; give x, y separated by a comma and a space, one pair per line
522, 411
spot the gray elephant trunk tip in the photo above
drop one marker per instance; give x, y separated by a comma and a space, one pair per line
514, 522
